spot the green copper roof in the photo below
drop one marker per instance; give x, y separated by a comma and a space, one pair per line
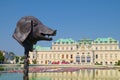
105, 40
85, 41
65, 40
40, 48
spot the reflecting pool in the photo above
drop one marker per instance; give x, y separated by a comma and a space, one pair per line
82, 74
11, 76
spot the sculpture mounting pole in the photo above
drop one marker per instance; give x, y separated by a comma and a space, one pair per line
26, 65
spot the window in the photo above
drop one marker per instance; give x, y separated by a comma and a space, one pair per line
66, 48
96, 42
96, 48
62, 48
106, 56
37, 55
45, 55
53, 55
41, 56
67, 56
71, 61
96, 56
106, 62
41, 62
62, 56
105, 41
71, 56
111, 63
115, 55
105, 48
66, 42
101, 55
58, 48
85, 43
58, 55
115, 47
83, 58
77, 47
110, 55
82, 53
110, 48
78, 58
88, 58
46, 62
33, 56
115, 41
100, 48
110, 41
50, 55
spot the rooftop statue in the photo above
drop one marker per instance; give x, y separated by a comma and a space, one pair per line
28, 31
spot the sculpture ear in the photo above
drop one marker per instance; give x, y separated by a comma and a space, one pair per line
22, 30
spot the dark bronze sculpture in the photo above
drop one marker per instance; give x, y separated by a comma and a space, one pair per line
29, 30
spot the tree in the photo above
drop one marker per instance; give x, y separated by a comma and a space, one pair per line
34, 61
22, 58
1, 57
118, 62
11, 55
16, 59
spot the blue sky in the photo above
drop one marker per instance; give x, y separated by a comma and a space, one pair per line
72, 18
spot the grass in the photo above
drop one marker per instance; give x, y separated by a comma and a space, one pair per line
1, 69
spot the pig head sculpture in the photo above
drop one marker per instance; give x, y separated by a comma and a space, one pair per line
29, 30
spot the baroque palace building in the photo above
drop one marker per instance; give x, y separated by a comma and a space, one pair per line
101, 51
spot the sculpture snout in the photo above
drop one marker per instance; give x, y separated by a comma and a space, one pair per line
53, 34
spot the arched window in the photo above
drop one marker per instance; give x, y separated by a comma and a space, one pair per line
83, 58
88, 59
78, 59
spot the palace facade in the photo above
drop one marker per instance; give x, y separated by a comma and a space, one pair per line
101, 51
